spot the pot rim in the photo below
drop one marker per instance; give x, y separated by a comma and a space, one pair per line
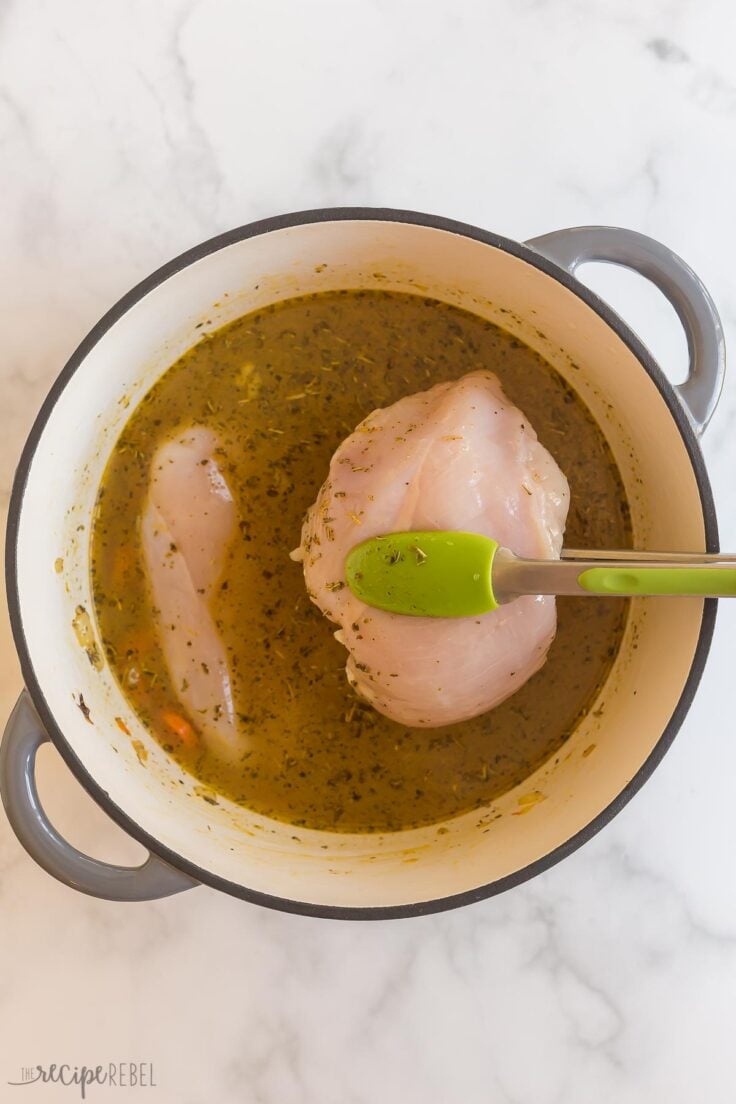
371, 214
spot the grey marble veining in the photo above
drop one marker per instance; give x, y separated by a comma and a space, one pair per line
130, 131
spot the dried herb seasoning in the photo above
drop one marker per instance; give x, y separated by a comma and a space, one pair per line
281, 387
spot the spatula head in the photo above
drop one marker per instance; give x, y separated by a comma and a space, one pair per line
424, 574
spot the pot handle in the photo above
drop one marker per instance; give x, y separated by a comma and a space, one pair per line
696, 310
23, 736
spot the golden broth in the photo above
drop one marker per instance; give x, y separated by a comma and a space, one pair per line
281, 388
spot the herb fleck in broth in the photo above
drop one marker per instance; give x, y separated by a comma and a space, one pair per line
281, 388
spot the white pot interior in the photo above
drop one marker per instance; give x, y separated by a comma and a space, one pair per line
604, 753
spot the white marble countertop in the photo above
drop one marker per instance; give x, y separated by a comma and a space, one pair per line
130, 131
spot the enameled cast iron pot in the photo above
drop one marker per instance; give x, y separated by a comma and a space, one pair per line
530, 290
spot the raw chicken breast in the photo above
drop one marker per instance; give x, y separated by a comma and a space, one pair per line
187, 524
458, 456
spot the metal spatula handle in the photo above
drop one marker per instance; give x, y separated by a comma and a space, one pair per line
620, 574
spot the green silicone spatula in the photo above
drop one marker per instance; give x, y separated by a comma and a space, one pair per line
448, 574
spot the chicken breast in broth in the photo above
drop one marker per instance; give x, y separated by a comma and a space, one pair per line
204, 497
187, 525
459, 456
